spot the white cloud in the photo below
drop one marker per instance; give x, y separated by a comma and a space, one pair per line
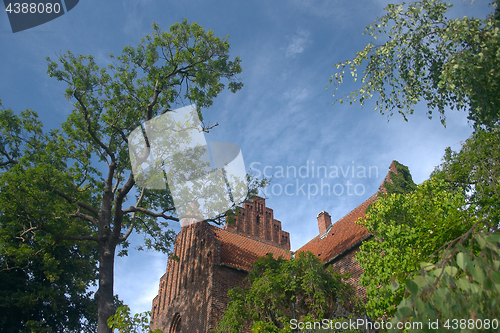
297, 44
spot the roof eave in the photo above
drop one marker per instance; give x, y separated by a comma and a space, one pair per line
349, 249
233, 267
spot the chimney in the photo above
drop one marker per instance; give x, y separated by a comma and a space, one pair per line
324, 222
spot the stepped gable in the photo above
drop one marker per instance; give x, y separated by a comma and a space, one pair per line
387, 178
254, 234
257, 221
239, 251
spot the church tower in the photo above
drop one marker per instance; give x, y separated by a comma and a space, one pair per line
207, 261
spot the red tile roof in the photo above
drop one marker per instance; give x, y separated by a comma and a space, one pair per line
342, 235
345, 233
241, 252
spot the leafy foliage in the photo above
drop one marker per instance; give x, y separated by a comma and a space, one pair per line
464, 284
44, 282
475, 171
433, 225
44, 295
408, 229
402, 181
125, 323
280, 290
446, 62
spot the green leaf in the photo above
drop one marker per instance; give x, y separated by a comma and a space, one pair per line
478, 274
404, 311
480, 240
450, 270
420, 305
427, 266
461, 260
493, 238
420, 281
464, 284
412, 287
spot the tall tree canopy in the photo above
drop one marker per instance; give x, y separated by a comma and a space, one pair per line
475, 172
448, 63
44, 284
75, 184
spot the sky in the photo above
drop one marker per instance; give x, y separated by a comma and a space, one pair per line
283, 118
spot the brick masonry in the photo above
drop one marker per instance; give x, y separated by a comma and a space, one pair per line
208, 261
348, 264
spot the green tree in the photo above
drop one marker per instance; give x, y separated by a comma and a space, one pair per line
77, 180
461, 292
43, 283
408, 229
44, 295
280, 290
429, 228
475, 171
464, 283
125, 323
426, 56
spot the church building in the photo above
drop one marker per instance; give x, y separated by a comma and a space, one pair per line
208, 261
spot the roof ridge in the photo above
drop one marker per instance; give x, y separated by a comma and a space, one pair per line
361, 204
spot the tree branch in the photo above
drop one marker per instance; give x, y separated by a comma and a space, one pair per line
79, 203
123, 191
207, 128
153, 102
85, 217
31, 229
133, 209
9, 159
118, 212
117, 182
120, 131
83, 108
132, 223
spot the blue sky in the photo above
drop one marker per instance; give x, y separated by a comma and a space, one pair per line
283, 116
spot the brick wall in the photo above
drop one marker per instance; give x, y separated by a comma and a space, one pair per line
195, 287
224, 279
348, 264
184, 288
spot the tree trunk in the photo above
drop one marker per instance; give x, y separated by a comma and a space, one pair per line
104, 295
